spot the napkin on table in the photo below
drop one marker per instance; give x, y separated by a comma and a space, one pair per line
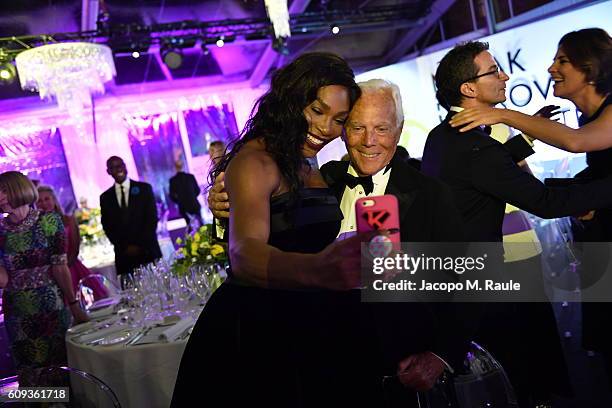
106, 311
173, 332
98, 334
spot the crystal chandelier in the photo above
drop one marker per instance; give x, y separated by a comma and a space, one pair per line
279, 16
70, 73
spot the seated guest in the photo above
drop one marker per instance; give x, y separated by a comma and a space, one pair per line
47, 201
35, 280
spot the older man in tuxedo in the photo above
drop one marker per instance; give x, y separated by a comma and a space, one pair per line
418, 340
129, 219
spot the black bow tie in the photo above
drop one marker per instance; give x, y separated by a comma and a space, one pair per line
366, 182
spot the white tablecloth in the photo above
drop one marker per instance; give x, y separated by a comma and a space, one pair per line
141, 376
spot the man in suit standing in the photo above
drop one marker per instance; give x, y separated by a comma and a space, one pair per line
129, 219
480, 171
483, 176
184, 191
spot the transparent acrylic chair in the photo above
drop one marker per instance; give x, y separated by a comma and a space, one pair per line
85, 389
93, 289
484, 383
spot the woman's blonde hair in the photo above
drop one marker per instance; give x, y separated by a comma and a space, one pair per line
56, 205
18, 188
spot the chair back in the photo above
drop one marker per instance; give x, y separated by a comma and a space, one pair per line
483, 383
86, 389
94, 288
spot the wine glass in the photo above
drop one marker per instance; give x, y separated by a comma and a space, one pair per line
200, 283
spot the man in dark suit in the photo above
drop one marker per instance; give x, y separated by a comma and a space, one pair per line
129, 219
480, 171
184, 191
432, 338
483, 176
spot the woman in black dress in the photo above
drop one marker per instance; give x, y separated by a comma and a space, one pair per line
282, 331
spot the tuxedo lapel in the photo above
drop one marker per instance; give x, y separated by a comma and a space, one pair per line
112, 197
133, 197
334, 176
401, 187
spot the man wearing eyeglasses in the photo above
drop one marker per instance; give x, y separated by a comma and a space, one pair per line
483, 176
482, 172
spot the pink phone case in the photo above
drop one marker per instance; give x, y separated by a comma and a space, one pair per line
379, 213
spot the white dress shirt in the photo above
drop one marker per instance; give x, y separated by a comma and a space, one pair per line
126, 191
351, 195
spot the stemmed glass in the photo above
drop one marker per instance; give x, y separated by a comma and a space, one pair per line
166, 283
200, 282
127, 282
184, 293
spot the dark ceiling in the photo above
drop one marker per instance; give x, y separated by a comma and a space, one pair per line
365, 46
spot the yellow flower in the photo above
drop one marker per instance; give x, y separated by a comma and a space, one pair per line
196, 237
216, 250
194, 248
179, 241
202, 229
184, 251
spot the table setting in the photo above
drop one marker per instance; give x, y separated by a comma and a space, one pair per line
135, 338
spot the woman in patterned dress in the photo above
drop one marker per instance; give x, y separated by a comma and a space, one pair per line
35, 278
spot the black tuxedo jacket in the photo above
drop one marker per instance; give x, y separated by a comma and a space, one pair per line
483, 177
184, 191
425, 204
427, 214
137, 227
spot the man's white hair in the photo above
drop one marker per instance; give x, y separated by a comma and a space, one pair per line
377, 85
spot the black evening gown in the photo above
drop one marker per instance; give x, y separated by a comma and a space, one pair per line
596, 334
283, 348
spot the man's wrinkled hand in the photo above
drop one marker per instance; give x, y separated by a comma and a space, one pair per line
218, 200
420, 371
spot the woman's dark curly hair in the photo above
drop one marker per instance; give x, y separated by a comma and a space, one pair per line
278, 117
590, 51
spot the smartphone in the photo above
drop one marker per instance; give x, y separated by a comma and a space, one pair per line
378, 213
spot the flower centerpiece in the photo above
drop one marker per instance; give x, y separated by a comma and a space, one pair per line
90, 224
96, 249
199, 249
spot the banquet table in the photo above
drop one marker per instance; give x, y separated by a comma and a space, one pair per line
140, 375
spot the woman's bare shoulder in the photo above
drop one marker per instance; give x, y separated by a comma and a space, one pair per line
252, 164
252, 156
